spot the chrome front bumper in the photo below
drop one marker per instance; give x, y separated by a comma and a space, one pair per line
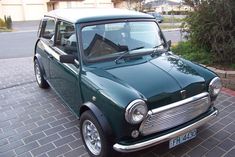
142, 145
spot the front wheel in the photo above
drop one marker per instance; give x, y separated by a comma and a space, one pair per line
38, 74
93, 136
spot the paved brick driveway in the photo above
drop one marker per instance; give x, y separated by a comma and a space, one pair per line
35, 122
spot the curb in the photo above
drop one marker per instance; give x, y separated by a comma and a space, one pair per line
14, 31
227, 77
228, 91
171, 30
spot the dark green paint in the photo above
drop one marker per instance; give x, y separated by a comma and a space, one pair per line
157, 80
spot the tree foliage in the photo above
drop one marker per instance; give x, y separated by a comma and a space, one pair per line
212, 26
2, 23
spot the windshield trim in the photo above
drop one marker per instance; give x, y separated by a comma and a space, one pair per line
85, 60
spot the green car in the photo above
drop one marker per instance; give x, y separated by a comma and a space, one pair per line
114, 69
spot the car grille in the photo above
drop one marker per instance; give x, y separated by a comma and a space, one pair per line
174, 114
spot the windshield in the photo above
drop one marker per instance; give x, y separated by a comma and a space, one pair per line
112, 39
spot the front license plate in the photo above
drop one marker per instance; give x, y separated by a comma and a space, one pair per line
182, 138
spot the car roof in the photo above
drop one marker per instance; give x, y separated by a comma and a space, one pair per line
80, 15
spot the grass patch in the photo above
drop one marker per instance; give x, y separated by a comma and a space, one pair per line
3, 29
232, 66
193, 53
172, 20
200, 55
169, 26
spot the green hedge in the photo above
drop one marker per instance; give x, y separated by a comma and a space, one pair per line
212, 25
191, 52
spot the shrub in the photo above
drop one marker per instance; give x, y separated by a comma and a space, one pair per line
174, 12
2, 23
8, 22
191, 52
212, 26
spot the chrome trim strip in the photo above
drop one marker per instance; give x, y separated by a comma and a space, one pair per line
68, 66
57, 56
178, 103
51, 51
76, 62
142, 145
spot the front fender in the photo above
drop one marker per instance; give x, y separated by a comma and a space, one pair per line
100, 117
112, 97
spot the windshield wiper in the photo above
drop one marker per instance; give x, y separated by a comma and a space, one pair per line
125, 52
155, 49
158, 45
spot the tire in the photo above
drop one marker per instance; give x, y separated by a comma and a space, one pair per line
88, 122
42, 83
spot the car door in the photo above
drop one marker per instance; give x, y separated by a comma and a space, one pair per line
44, 45
64, 77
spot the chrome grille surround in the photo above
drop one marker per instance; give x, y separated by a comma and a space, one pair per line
174, 114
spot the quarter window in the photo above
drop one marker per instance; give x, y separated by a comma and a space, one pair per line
66, 38
49, 29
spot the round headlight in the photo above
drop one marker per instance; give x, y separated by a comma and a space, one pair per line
136, 111
215, 86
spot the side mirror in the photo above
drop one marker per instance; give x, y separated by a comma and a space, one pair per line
67, 59
169, 44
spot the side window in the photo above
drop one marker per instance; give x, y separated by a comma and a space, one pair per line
66, 38
49, 29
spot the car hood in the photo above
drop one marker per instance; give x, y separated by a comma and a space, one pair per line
158, 79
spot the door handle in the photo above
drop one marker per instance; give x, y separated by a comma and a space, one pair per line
50, 57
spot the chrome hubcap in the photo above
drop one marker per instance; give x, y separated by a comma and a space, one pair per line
91, 137
38, 74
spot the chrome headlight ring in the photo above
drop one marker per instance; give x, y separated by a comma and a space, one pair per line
136, 111
215, 87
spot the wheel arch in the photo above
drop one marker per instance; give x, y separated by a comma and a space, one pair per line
38, 57
100, 117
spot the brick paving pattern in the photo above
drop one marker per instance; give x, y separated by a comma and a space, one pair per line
35, 122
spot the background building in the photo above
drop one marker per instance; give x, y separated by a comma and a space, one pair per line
24, 10
128, 4
167, 6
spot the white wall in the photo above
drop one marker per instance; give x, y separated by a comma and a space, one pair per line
34, 12
23, 10
87, 4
